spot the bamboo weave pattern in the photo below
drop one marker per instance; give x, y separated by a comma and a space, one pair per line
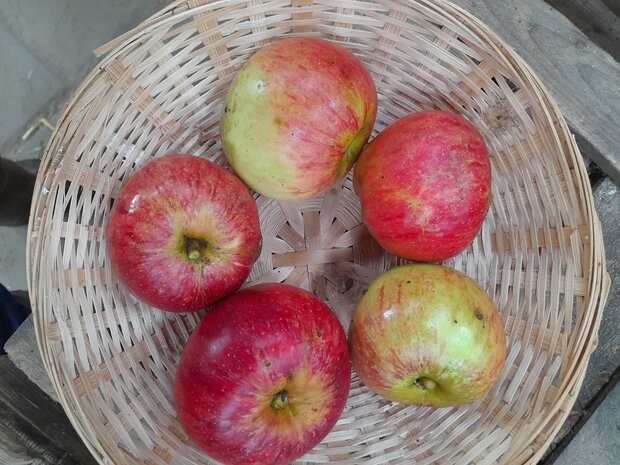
159, 89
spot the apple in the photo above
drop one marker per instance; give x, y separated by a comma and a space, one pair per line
428, 335
296, 117
424, 185
183, 233
264, 377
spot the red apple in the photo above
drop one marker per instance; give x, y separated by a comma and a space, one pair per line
297, 116
264, 377
426, 334
183, 233
424, 185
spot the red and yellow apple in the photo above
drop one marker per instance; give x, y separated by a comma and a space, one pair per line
429, 335
424, 185
183, 233
296, 117
264, 377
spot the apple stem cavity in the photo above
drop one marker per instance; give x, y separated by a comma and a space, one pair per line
426, 384
196, 249
353, 150
279, 400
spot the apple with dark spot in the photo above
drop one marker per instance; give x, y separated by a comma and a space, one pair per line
429, 335
296, 117
264, 377
183, 233
424, 185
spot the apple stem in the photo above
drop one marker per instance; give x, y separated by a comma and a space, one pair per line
195, 248
426, 383
280, 399
353, 149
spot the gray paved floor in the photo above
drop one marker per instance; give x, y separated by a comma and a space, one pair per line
606, 357
45, 50
598, 442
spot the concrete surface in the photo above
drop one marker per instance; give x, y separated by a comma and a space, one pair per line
22, 350
47, 49
63, 33
13, 257
606, 358
598, 442
27, 86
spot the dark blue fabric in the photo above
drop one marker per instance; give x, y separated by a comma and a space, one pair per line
12, 315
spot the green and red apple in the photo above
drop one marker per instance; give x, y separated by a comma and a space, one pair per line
429, 335
424, 185
264, 377
296, 117
183, 233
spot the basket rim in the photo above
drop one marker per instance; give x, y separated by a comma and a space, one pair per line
599, 280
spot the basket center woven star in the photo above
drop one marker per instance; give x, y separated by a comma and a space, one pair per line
320, 245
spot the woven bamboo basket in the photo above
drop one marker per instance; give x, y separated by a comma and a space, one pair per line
159, 89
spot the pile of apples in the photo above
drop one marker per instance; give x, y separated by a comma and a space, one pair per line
266, 374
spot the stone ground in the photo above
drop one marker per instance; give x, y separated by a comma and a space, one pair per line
46, 49
598, 442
